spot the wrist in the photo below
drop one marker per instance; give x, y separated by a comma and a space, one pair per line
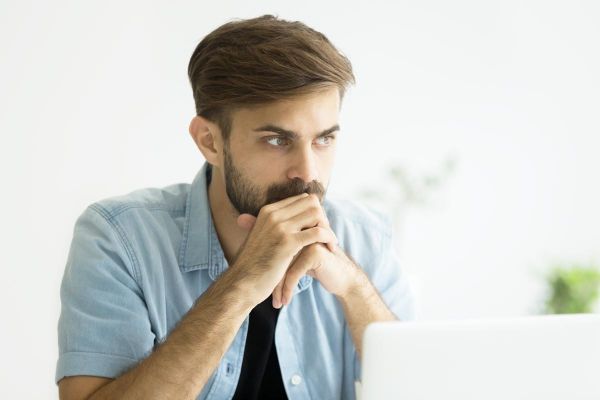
356, 284
239, 289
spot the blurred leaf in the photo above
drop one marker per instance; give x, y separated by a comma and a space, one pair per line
572, 289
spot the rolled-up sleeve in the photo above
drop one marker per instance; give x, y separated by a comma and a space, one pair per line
103, 328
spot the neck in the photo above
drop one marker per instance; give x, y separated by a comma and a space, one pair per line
224, 216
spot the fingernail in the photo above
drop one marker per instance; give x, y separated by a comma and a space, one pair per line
276, 303
284, 300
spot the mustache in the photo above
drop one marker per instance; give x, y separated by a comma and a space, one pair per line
294, 187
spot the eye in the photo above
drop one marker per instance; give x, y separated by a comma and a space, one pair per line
279, 141
326, 139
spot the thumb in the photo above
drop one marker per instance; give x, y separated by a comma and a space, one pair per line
246, 221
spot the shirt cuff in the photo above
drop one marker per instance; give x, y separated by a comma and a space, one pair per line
94, 364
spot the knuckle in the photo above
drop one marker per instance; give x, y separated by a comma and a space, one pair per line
265, 210
279, 229
314, 248
315, 200
271, 217
317, 211
285, 240
312, 213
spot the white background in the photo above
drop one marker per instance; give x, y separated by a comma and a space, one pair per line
95, 102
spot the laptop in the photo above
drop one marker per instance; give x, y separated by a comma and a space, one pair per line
540, 357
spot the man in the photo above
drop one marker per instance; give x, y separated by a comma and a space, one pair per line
248, 283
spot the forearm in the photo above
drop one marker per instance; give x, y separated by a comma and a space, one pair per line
362, 305
180, 366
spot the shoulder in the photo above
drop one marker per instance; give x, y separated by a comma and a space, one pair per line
142, 205
137, 217
151, 200
131, 224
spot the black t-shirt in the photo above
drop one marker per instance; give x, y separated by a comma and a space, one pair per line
260, 377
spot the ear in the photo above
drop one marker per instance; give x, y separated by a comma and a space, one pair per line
207, 137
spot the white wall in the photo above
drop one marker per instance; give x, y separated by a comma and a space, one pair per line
94, 102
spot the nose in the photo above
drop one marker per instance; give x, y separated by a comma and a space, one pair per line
304, 166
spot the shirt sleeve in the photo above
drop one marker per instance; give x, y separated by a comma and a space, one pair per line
103, 328
392, 284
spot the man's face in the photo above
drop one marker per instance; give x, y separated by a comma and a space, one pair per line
281, 150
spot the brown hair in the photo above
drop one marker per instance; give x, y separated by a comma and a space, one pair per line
256, 61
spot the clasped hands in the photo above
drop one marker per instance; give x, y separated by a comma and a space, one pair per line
327, 263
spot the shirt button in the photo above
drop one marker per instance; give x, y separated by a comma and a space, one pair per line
296, 379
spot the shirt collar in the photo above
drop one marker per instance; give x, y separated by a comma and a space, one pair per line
200, 246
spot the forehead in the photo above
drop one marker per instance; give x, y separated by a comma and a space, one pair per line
303, 114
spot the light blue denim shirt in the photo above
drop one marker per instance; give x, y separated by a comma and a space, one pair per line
138, 262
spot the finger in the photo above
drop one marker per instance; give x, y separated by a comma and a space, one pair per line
277, 303
284, 203
318, 234
292, 277
246, 221
308, 218
310, 204
330, 245
273, 210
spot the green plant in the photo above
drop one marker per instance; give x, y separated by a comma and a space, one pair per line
572, 289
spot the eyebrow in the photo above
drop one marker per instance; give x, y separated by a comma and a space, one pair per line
290, 134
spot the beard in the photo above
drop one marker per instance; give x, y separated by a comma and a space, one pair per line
247, 198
